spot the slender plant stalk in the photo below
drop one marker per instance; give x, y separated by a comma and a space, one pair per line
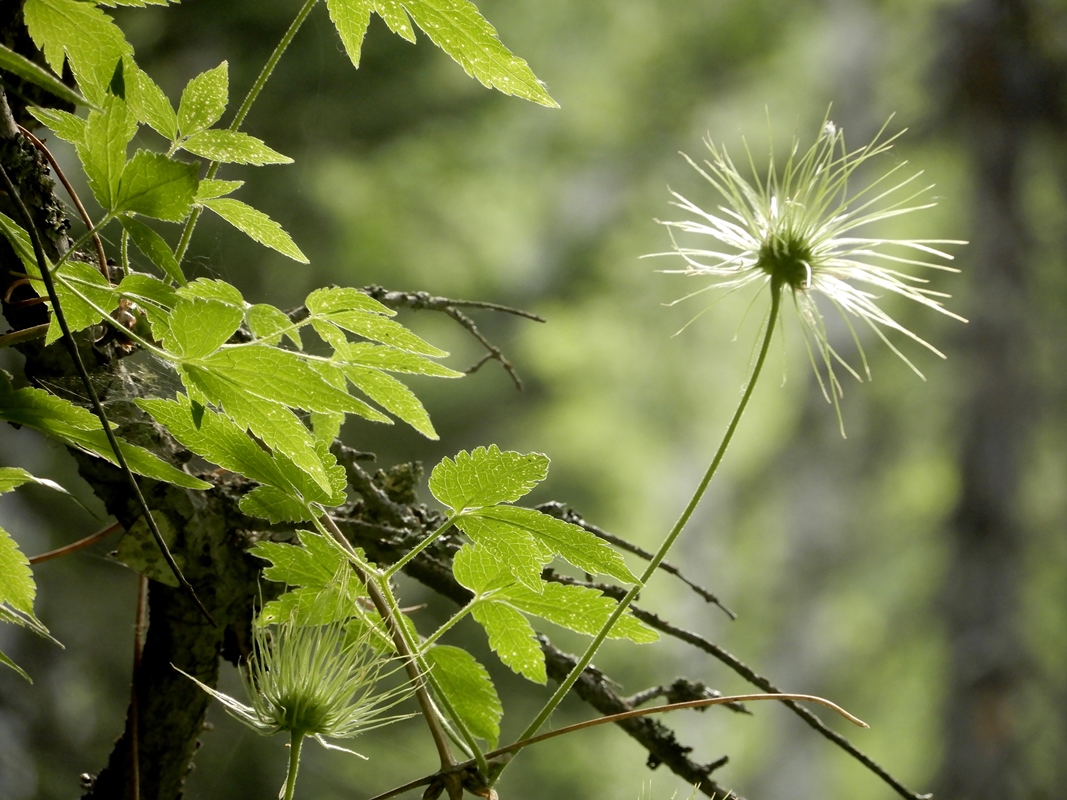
98, 408
386, 605
653, 565
446, 627
66, 549
381, 598
140, 628
398, 565
295, 743
498, 755
242, 112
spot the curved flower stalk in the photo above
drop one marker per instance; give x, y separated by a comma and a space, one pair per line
797, 231
314, 680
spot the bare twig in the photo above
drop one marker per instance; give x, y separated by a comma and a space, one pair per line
418, 301
758, 680
680, 691
561, 511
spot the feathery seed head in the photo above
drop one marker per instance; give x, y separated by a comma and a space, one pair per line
314, 680
797, 231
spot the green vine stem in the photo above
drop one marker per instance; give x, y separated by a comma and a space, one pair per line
295, 743
385, 604
428, 642
398, 565
242, 112
668, 542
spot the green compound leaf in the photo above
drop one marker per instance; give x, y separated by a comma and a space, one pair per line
284, 377
153, 296
148, 102
8, 662
353, 311
350, 18
148, 290
233, 147
512, 638
268, 324
396, 18
204, 100
273, 423
136, 3
212, 289
316, 478
154, 247
456, 26
578, 608
338, 299
479, 572
512, 549
256, 225
17, 588
275, 505
13, 477
63, 124
102, 150
81, 33
18, 64
572, 543
393, 396
220, 440
211, 188
233, 379
313, 566
501, 602
17, 591
485, 477
365, 354
78, 427
156, 186
200, 327
82, 292
469, 690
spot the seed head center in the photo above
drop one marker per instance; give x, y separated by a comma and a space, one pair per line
788, 260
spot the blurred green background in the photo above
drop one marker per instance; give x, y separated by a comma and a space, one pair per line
915, 572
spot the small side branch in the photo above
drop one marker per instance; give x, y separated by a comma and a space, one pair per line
683, 690
758, 680
419, 301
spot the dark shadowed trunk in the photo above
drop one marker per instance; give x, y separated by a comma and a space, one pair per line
999, 87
